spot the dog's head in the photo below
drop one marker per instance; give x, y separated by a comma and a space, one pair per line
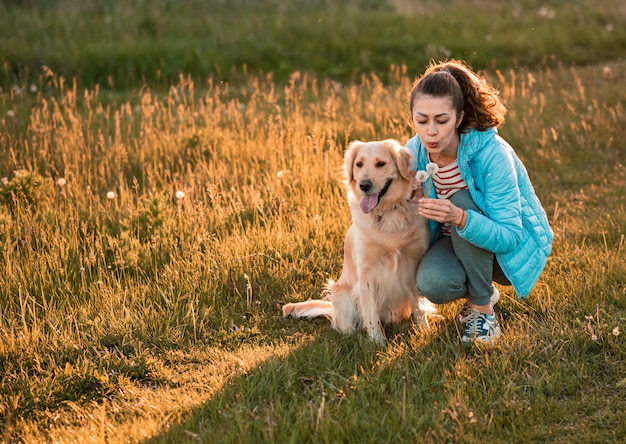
378, 170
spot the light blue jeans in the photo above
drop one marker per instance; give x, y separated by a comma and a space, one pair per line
454, 268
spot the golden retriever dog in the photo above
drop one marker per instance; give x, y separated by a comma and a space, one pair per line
382, 248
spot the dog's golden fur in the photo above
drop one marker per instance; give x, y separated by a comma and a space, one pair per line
382, 248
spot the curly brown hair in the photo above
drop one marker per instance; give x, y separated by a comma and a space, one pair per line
469, 92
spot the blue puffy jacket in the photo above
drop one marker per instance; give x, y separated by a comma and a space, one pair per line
513, 224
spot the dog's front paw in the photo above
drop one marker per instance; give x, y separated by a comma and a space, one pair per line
376, 333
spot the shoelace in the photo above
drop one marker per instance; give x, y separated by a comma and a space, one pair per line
472, 321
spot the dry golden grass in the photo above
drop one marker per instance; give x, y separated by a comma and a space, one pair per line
129, 310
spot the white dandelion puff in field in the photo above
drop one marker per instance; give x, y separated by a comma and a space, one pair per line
179, 195
111, 195
616, 331
547, 12
432, 168
10, 113
281, 173
4, 181
61, 182
33, 88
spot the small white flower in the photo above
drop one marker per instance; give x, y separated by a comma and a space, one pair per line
179, 195
547, 12
609, 27
33, 88
594, 338
10, 113
61, 182
421, 176
432, 168
616, 331
111, 195
5, 181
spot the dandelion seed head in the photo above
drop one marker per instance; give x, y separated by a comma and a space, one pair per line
594, 338
61, 182
421, 176
33, 88
5, 181
179, 195
616, 331
432, 168
609, 27
607, 72
10, 113
547, 12
111, 195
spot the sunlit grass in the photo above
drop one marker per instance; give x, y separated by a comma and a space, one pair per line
129, 310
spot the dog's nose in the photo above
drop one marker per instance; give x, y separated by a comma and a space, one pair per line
365, 185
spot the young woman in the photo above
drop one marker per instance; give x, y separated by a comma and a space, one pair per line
486, 222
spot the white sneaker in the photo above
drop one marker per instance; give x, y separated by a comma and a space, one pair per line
481, 328
467, 310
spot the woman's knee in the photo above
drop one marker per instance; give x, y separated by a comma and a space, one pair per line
463, 199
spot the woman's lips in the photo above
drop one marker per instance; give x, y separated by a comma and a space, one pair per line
432, 144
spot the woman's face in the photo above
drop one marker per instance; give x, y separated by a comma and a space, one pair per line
436, 122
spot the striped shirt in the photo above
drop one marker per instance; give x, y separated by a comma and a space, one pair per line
448, 181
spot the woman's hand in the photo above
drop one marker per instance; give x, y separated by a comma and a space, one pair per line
443, 211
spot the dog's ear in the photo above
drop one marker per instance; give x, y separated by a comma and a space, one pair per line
403, 158
348, 161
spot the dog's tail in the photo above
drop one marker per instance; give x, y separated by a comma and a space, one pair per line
309, 309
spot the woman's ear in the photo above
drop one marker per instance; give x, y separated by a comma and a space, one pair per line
460, 119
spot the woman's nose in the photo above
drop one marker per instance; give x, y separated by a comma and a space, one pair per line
432, 129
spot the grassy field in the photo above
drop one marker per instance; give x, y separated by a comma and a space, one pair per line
151, 227
122, 44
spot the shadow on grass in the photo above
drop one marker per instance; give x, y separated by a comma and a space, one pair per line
335, 388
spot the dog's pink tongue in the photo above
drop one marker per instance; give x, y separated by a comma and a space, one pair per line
369, 202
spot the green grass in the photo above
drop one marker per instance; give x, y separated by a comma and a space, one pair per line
123, 44
147, 317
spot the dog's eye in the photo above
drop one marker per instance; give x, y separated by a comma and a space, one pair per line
358, 164
380, 164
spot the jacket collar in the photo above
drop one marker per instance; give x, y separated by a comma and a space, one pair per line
473, 141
